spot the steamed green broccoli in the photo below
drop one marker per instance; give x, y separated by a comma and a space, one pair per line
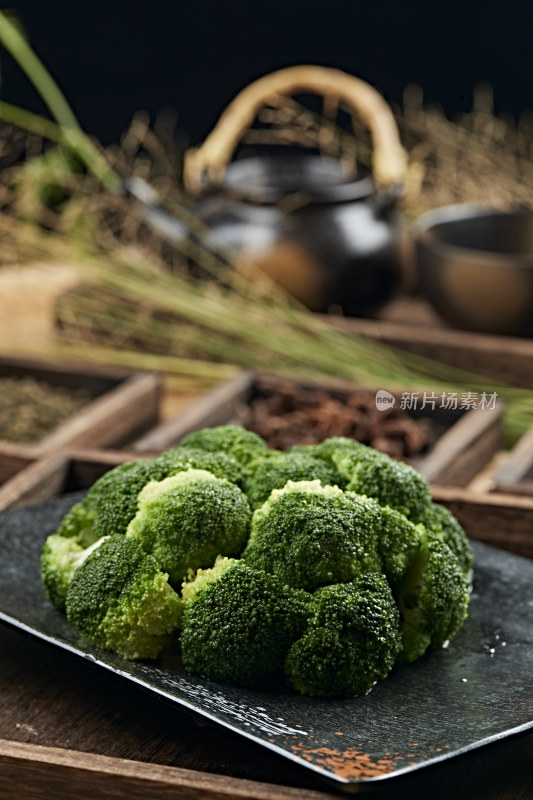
432, 597
114, 495
398, 541
390, 569
182, 458
311, 535
368, 472
78, 523
274, 472
440, 520
78, 531
429, 583
60, 558
111, 502
188, 519
239, 623
109, 507
335, 446
390, 482
239, 443
120, 600
351, 640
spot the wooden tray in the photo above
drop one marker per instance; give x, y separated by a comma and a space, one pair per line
59, 473
123, 406
470, 439
516, 473
500, 519
15, 457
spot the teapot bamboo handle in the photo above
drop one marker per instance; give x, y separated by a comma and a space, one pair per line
210, 160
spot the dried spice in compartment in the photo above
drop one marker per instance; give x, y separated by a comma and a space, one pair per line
297, 415
31, 409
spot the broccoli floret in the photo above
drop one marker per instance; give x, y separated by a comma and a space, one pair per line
187, 520
438, 519
239, 443
120, 600
391, 482
78, 523
351, 641
60, 558
181, 458
339, 445
430, 584
390, 570
114, 495
274, 472
239, 623
399, 541
432, 598
111, 502
374, 474
309, 535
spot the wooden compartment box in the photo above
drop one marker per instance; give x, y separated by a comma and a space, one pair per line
122, 406
466, 442
516, 473
57, 474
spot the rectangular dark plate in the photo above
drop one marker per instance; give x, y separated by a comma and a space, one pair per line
475, 691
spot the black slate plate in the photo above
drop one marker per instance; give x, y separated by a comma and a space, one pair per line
476, 691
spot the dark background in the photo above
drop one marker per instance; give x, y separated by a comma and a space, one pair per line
112, 58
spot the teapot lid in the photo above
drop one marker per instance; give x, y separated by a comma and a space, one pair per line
269, 179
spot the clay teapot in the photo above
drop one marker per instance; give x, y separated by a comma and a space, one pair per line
337, 247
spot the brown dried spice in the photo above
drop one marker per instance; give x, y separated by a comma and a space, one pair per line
292, 414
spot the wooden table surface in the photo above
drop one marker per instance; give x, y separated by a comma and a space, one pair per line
49, 699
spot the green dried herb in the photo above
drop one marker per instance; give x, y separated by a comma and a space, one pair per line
31, 409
